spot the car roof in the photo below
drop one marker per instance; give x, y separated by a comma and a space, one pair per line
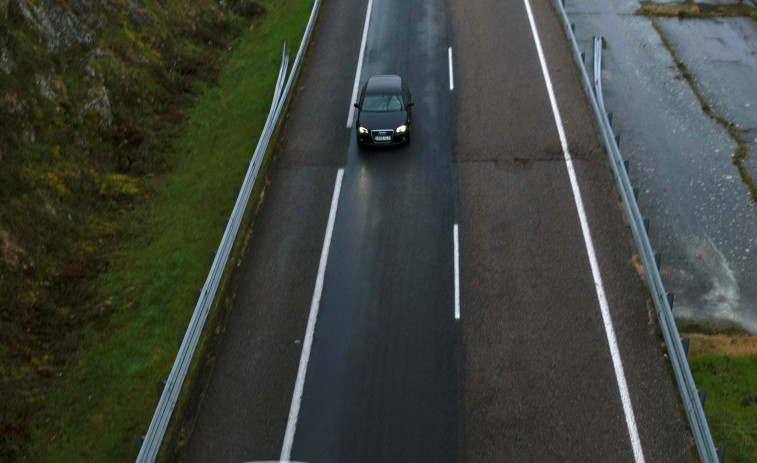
384, 83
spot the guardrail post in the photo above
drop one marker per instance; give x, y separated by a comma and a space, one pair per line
646, 221
138, 441
246, 165
721, 453
224, 222
702, 396
573, 27
609, 117
685, 344
671, 297
636, 193
626, 165
583, 58
212, 257
658, 260
198, 293
617, 141
264, 119
236, 192
179, 338
161, 387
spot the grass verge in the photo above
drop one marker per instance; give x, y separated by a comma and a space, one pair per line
108, 393
731, 403
724, 361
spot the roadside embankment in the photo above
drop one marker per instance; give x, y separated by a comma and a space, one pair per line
725, 365
124, 131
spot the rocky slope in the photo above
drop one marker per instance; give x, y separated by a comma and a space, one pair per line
89, 93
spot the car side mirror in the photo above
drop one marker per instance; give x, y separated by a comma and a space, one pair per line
356, 105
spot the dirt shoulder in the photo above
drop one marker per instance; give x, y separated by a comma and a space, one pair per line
721, 344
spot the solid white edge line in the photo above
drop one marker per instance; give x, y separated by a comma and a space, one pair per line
294, 410
455, 237
606, 318
351, 112
451, 79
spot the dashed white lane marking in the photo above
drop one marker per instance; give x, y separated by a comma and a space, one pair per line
455, 237
294, 410
609, 330
451, 79
351, 112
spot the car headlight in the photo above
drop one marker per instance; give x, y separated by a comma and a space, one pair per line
362, 130
402, 129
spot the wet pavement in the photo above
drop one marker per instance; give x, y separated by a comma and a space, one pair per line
721, 55
703, 221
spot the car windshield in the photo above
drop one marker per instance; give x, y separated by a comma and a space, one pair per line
381, 103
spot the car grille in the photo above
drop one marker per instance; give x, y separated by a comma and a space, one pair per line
382, 136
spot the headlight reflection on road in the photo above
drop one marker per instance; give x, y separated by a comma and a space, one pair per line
364, 183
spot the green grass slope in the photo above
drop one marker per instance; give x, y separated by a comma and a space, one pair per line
731, 402
119, 153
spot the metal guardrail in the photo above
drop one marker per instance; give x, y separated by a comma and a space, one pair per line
689, 394
688, 391
154, 437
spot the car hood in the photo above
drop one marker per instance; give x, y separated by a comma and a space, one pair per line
377, 121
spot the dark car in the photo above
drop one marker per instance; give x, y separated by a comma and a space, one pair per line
384, 114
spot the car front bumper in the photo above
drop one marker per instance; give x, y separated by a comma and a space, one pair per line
374, 139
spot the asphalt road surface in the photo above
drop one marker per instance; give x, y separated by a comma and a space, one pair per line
527, 372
